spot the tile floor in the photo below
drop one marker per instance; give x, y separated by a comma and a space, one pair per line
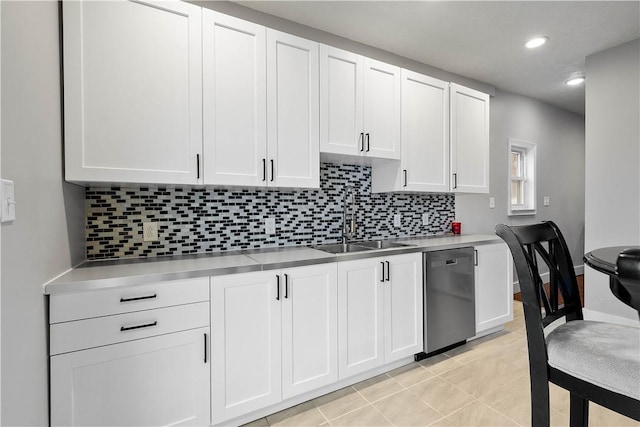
483, 383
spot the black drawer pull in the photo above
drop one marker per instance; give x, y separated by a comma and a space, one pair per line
131, 328
139, 298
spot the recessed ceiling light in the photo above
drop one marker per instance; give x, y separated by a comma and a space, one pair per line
575, 81
536, 42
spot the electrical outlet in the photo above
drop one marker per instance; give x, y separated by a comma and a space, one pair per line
397, 220
270, 226
492, 202
150, 231
425, 218
547, 200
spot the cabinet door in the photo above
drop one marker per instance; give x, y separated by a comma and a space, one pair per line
381, 109
469, 140
494, 286
245, 343
425, 133
403, 306
360, 316
309, 328
132, 92
156, 381
234, 97
293, 144
341, 97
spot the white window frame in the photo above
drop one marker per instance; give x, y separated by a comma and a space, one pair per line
528, 151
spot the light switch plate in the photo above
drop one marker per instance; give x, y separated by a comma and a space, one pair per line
492, 202
270, 226
8, 201
397, 220
425, 218
547, 200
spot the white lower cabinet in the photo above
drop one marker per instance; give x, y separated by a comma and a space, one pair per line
157, 381
274, 336
379, 311
494, 286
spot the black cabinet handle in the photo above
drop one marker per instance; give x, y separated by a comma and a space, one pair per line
286, 286
198, 166
138, 298
361, 140
131, 328
475, 257
205, 348
388, 269
264, 169
271, 170
367, 143
405, 177
382, 278
278, 287
455, 181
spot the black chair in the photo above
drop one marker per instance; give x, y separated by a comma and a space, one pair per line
594, 361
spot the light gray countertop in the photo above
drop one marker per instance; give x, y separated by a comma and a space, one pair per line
92, 275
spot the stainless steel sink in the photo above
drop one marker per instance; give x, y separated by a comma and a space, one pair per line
342, 248
380, 244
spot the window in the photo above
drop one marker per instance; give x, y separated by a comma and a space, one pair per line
522, 174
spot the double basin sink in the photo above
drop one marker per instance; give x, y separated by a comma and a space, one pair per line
343, 248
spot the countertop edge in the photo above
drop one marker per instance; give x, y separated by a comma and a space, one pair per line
65, 283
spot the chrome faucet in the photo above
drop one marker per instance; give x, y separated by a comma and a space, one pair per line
349, 214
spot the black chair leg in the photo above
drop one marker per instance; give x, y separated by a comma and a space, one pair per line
579, 411
540, 415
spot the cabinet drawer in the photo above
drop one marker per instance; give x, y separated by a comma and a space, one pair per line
85, 305
81, 334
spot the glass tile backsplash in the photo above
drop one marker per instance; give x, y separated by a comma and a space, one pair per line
200, 220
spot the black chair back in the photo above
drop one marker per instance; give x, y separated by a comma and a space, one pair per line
528, 244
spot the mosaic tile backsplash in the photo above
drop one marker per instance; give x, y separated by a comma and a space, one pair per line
200, 220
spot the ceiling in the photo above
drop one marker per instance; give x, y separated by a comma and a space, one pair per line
481, 40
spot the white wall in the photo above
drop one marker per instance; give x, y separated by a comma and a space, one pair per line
559, 136
612, 203
47, 236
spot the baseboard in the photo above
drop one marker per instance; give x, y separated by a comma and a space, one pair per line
579, 269
609, 318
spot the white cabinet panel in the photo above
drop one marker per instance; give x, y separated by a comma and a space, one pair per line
381, 109
424, 165
156, 381
360, 316
359, 105
341, 98
133, 91
234, 96
379, 311
309, 329
274, 336
403, 307
494, 286
245, 343
469, 140
293, 145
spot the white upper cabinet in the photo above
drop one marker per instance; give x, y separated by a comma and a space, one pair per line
469, 140
341, 98
133, 91
293, 149
359, 105
381, 109
424, 165
235, 100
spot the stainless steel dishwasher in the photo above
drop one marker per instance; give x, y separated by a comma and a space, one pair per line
449, 298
